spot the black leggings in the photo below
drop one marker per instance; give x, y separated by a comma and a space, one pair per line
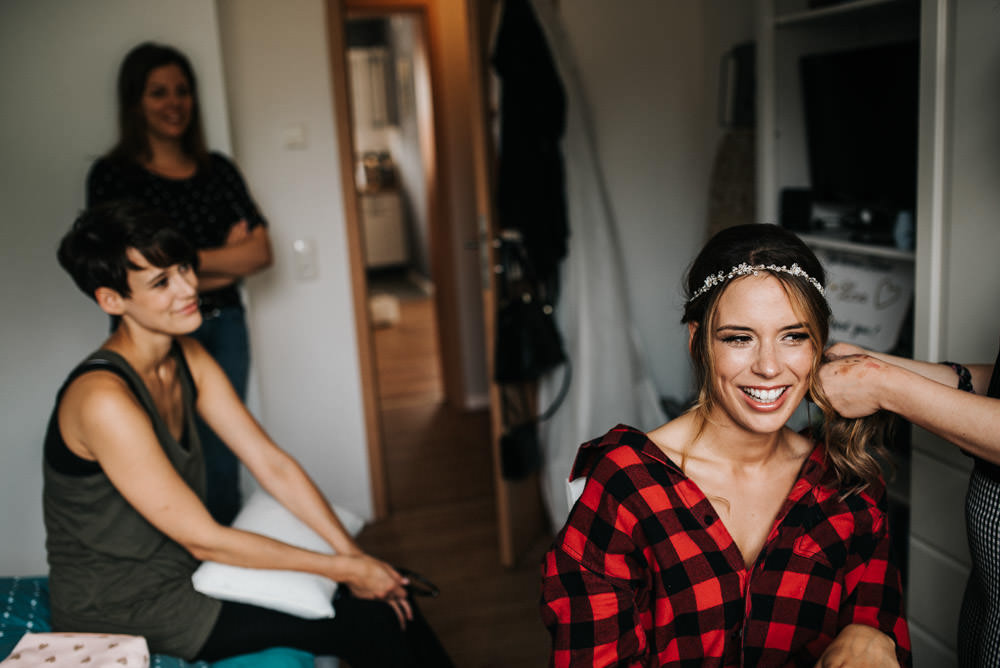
364, 633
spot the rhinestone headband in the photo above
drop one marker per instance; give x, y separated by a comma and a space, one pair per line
744, 269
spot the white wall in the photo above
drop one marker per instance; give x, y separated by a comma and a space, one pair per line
302, 330
649, 69
58, 63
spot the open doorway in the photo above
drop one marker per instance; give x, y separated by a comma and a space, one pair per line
393, 148
457, 171
433, 452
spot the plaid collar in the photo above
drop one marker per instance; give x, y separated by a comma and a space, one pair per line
814, 471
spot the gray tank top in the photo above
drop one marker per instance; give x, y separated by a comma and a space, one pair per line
109, 569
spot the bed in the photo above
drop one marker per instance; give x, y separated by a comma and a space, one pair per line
24, 607
24, 601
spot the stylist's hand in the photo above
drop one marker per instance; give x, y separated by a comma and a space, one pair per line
859, 646
376, 579
852, 380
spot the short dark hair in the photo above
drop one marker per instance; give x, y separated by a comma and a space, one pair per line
94, 251
133, 142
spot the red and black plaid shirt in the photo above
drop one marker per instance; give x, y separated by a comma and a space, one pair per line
644, 573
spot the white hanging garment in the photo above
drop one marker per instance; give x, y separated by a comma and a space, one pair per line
611, 383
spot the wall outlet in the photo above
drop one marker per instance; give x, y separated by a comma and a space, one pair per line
305, 261
293, 137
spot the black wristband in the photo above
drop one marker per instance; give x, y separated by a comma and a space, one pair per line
964, 377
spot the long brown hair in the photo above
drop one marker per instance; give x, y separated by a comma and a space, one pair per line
853, 446
133, 142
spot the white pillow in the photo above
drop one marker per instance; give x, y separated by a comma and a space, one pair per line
300, 594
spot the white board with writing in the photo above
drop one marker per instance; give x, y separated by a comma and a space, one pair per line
869, 296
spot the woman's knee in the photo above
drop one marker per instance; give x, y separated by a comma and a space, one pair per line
368, 633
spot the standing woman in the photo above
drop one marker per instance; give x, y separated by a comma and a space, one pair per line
161, 161
724, 538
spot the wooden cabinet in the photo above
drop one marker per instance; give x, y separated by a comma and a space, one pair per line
384, 229
370, 73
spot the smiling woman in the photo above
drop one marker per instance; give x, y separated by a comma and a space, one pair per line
723, 537
161, 161
167, 103
124, 480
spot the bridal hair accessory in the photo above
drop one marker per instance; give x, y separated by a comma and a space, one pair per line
744, 269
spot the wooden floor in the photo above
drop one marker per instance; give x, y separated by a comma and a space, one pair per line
443, 522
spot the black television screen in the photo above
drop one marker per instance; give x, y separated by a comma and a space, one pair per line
861, 111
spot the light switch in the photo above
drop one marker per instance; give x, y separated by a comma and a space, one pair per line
305, 262
294, 137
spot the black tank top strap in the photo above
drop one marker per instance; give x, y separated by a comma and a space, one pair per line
57, 453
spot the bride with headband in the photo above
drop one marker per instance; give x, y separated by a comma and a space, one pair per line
723, 537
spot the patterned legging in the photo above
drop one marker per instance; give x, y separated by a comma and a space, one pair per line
979, 623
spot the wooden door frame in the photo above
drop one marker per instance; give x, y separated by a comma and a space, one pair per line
521, 519
439, 226
479, 26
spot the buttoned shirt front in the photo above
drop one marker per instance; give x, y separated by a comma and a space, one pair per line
645, 574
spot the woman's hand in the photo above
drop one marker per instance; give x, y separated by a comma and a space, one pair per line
376, 579
244, 252
860, 646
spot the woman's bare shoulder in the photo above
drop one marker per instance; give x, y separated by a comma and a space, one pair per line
675, 437
96, 388
94, 404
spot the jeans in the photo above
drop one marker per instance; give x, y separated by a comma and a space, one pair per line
224, 335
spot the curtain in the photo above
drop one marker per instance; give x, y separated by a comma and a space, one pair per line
610, 379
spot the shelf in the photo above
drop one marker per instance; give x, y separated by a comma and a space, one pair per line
845, 9
871, 250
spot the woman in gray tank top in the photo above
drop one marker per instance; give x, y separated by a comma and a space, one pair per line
125, 481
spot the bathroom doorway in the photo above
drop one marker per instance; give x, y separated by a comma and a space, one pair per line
392, 122
457, 169
434, 450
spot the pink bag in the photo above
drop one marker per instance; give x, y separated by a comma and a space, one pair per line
80, 650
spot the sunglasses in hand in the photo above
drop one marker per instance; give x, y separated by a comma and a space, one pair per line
419, 585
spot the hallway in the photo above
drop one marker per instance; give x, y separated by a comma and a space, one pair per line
443, 521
